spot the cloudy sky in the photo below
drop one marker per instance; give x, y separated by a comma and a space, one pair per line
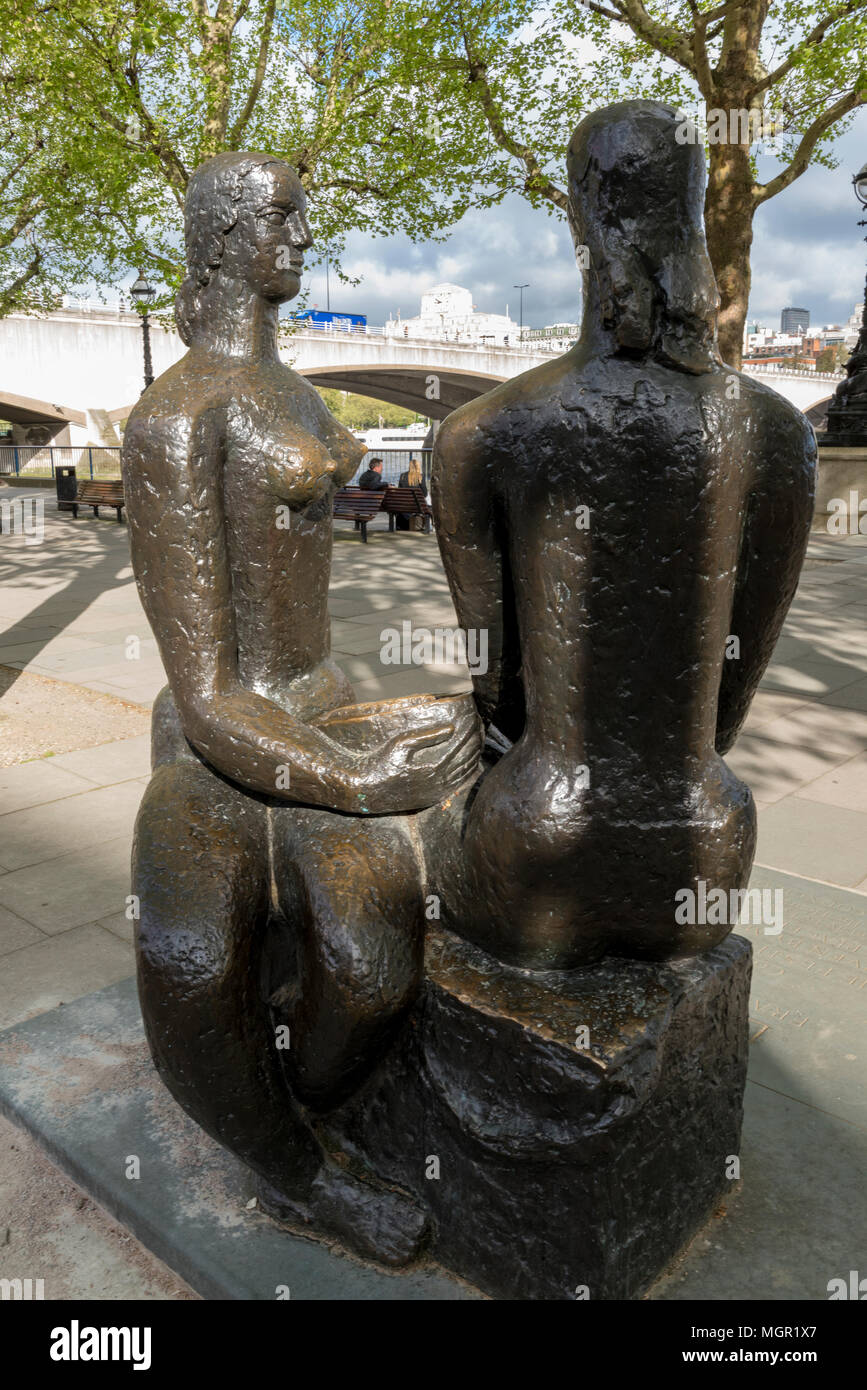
806, 252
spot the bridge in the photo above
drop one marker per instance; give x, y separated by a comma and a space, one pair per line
73, 375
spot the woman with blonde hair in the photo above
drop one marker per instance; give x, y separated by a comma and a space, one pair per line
408, 521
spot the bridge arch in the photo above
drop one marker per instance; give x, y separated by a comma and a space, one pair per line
817, 414
429, 390
37, 422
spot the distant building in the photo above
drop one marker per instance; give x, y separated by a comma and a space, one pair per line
853, 326
794, 320
798, 349
448, 314
557, 336
764, 343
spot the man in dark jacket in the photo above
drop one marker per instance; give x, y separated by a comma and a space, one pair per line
372, 478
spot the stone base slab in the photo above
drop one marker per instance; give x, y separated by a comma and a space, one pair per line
557, 1161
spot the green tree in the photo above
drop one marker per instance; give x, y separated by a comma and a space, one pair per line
123, 98
789, 70
832, 357
364, 413
52, 205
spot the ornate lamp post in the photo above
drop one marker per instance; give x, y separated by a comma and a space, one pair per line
847, 413
144, 294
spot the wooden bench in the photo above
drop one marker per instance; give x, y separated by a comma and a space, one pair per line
358, 504
406, 501
95, 494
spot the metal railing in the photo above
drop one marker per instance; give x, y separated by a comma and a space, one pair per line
103, 461
40, 460
780, 368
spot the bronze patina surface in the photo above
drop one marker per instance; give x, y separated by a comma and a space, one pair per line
613, 519
264, 905
626, 524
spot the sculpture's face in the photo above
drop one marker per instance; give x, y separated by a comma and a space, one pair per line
266, 247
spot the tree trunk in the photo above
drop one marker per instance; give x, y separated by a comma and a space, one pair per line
729, 210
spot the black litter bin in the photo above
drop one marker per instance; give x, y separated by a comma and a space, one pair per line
67, 484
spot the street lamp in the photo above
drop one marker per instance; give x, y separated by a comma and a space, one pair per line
521, 310
144, 294
847, 413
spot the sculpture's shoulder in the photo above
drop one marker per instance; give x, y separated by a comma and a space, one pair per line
785, 436
164, 419
528, 401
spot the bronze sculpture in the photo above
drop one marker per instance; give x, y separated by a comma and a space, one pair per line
610, 520
230, 463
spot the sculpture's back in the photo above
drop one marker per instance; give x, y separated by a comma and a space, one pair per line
642, 510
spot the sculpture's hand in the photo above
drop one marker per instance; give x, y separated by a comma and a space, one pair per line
394, 778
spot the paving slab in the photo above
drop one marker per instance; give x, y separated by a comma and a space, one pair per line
807, 1005
66, 892
830, 846
97, 814
109, 762
41, 977
852, 696
15, 932
81, 1081
37, 783
846, 786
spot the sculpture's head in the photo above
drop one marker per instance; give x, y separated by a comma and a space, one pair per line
244, 219
637, 199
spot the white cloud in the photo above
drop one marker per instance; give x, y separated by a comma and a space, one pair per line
806, 251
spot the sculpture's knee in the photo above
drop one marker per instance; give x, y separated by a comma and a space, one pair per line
201, 881
352, 898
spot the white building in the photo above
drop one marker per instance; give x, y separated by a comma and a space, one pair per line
762, 337
557, 337
853, 326
448, 314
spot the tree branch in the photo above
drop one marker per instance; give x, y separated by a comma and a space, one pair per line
813, 39
801, 158
666, 40
9, 293
258, 75
535, 179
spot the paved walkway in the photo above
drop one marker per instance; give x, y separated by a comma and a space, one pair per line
69, 611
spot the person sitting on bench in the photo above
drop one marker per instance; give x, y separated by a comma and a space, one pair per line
406, 521
372, 478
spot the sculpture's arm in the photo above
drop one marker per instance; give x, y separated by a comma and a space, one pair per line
179, 557
779, 510
476, 568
